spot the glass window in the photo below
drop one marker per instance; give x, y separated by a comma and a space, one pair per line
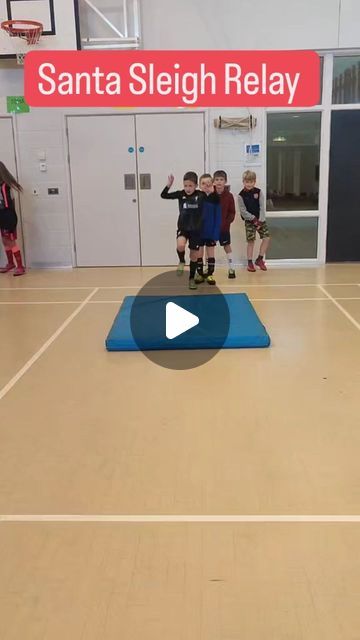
293, 158
346, 80
293, 238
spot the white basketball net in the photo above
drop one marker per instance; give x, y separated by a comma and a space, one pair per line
20, 57
21, 48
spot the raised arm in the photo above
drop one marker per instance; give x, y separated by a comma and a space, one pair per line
165, 192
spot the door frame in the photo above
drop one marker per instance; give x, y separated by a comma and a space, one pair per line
71, 208
324, 108
129, 112
204, 129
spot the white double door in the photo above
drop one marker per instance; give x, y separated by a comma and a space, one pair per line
119, 165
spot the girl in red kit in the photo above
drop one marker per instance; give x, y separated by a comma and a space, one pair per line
8, 222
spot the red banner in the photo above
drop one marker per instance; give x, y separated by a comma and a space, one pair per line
172, 78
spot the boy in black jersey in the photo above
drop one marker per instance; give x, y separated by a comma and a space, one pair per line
252, 210
190, 201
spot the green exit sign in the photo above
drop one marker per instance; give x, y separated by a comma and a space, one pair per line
17, 104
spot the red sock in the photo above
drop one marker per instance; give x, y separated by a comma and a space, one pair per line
9, 255
18, 259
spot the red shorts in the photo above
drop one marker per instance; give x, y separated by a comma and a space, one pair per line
9, 235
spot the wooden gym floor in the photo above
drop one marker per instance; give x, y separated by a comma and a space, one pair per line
220, 503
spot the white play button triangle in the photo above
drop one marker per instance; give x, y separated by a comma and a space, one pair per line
178, 320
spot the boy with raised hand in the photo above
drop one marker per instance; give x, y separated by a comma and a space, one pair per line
190, 201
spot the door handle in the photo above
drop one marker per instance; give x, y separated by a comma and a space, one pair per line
145, 181
129, 181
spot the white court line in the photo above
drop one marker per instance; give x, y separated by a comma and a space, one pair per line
252, 299
140, 286
5, 302
243, 285
340, 307
143, 519
285, 299
44, 347
296, 299
44, 288
49, 302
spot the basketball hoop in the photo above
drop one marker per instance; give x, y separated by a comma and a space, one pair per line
28, 31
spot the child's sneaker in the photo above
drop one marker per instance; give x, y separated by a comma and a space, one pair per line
180, 268
251, 267
231, 274
192, 284
7, 268
211, 280
19, 271
199, 278
261, 264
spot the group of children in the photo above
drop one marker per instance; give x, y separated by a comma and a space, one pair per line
205, 216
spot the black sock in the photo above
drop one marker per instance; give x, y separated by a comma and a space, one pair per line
200, 266
250, 261
181, 255
211, 266
260, 257
193, 266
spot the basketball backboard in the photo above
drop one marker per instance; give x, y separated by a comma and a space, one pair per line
59, 17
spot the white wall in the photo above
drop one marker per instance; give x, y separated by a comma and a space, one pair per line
349, 27
250, 24
11, 80
227, 151
241, 24
47, 219
232, 24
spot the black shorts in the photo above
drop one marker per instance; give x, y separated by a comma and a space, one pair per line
8, 220
191, 236
224, 239
207, 243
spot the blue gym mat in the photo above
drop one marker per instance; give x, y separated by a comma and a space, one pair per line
246, 330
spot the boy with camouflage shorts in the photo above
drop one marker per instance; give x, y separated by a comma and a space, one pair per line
252, 210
